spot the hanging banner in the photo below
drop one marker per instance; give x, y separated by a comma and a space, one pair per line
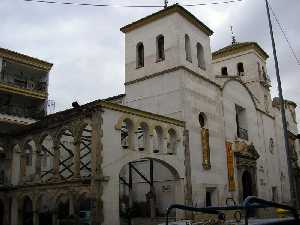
230, 167
205, 148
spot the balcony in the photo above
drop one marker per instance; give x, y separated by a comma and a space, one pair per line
22, 86
266, 81
22, 112
242, 133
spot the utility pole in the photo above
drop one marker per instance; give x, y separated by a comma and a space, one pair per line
166, 4
282, 103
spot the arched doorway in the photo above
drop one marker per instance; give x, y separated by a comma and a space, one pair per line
247, 184
27, 216
1, 213
85, 210
147, 188
45, 213
63, 210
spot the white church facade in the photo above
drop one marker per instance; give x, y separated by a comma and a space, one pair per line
194, 127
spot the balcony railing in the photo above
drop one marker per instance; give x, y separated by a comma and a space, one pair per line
22, 112
242, 133
27, 84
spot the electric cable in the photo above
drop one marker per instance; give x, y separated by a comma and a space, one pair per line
129, 6
285, 36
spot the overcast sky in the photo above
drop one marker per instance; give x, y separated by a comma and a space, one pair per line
87, 48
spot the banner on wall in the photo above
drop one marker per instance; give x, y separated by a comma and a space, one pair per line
230, 167
205, 148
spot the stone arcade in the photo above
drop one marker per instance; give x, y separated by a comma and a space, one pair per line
193, 127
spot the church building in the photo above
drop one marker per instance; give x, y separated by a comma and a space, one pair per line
194, 127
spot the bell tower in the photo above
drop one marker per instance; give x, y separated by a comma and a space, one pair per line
158, 52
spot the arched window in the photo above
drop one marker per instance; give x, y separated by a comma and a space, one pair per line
240, 69
160, 48
224, 71
271, 145
142, 137
127, 134
202, 120
157, 139
139, 55
200, 56
188, 54
172, 142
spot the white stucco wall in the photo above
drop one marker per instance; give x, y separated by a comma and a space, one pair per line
115, 158
174, 47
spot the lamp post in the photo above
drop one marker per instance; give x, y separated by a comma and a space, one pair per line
283, 116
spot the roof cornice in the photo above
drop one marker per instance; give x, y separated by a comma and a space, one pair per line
25, 59
165, 12
239, 48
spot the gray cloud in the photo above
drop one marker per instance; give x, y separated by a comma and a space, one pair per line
87, 48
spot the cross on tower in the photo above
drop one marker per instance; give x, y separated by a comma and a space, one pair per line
233, 37
166, 4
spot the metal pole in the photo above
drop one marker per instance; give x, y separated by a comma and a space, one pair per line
166, 4
282, 103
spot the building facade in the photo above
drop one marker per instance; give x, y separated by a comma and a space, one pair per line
193, 127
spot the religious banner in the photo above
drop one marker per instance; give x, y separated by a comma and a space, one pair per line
205, 148
230, 167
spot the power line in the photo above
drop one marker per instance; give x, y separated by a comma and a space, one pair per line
285, 36
128, 6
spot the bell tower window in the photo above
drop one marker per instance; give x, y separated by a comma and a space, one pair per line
160, 48
200, 56
240, 69
224, 71
139, 55
188, 54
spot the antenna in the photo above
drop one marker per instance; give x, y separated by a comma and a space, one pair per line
166, 4
233, 37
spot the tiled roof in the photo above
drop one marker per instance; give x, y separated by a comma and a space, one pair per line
238, 47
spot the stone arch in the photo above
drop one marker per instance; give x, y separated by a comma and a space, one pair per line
240, 69
29, 151
158, 139
187, 45
247, 184
127, 126
149, 200
47, 157
200, 56
66, 150
160, 48
45, 209
244, 85
16, 164
27, 211
142, 135
202, 119
62, 207
140, 55
85, 208
86, 151
172, 141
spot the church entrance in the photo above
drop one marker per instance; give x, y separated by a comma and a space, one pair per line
247, 184
246, 171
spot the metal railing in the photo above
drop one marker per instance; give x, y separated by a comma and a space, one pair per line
26, 84
249, 204
242, 133
22, 112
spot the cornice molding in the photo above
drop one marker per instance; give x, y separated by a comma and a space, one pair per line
25, 59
